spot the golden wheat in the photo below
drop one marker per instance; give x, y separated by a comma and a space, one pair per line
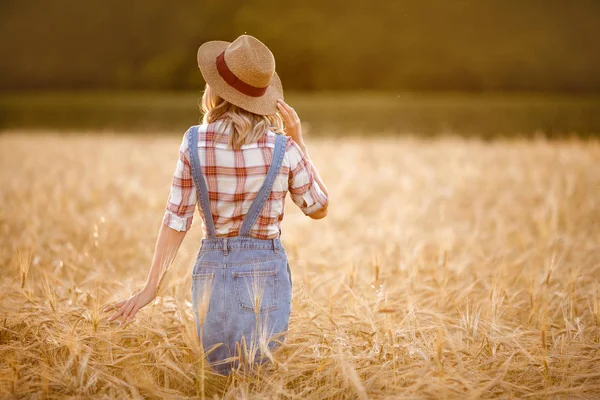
447, 268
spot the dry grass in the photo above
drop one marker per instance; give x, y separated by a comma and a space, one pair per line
446, 269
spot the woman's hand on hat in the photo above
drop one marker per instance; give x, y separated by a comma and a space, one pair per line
293, 127
126, 309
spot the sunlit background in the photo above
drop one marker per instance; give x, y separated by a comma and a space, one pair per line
467, 67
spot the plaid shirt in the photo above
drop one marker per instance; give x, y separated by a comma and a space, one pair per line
234, 177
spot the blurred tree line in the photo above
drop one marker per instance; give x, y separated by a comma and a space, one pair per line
473, 45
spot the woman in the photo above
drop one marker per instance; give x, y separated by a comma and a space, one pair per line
240, 166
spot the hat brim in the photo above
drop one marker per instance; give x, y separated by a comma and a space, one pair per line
263, 105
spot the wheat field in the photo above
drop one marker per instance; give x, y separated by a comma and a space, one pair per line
446, 268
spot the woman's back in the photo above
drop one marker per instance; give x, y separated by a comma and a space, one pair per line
234, 177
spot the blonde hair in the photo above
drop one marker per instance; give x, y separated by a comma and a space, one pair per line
245, 127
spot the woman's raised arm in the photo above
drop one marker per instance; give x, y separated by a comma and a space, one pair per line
293, 128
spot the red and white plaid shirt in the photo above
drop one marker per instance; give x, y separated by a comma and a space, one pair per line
234, 177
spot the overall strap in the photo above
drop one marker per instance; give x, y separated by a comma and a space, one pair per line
201, 188
263, 194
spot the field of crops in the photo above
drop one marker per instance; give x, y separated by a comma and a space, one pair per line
446, 268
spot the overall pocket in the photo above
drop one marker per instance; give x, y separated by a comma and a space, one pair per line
202, 284
256, 287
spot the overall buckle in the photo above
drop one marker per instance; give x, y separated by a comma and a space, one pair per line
225, 247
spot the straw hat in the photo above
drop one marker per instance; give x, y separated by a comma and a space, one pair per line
242, 72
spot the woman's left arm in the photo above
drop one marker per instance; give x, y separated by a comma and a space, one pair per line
167, 244
177, 220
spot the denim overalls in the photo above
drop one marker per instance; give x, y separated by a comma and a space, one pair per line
242, 286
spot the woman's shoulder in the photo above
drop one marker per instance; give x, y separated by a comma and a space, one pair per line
271, 136
293, 153
197, 129
270, 140
204, 127
208, 134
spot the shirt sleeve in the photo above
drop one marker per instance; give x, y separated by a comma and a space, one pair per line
181, 203
304, 189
